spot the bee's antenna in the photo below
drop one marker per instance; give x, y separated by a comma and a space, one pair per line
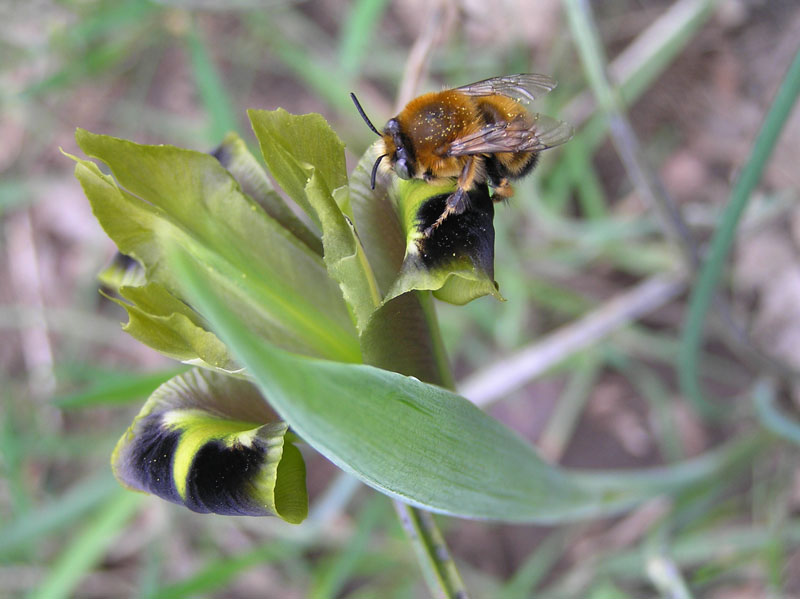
375, 170
366, 119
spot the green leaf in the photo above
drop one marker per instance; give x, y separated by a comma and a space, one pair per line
212, 90
277, 285
414, 441
456, 261
86, 549
224, 570
209, 442
344, 256
362, 23
326, 192
431, 447
233, 154
70, 505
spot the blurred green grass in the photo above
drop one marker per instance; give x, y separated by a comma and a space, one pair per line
184, 73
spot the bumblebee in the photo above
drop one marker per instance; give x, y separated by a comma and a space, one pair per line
479, 133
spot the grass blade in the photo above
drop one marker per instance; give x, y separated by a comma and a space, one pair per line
87, 548
70, 506
703, 291
357, 33
117, 389
211, 88
769, 415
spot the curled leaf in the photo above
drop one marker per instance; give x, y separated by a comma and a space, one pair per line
160, 320
210, 442
293, 143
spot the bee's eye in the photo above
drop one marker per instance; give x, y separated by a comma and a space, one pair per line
401, 168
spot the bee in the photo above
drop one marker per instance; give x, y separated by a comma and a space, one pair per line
478, 133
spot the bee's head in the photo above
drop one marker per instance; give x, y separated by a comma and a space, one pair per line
397, 147
399, 150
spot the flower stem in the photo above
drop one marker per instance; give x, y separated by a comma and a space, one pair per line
437, 564
438, 568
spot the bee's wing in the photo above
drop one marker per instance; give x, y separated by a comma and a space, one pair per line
545, 133
524, 87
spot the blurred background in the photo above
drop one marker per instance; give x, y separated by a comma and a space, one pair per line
581, 359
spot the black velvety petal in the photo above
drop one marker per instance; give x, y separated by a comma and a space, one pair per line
470, 234
455, 258
146, 465
220, 479
209, 442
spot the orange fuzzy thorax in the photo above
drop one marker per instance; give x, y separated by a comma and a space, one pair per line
433, 121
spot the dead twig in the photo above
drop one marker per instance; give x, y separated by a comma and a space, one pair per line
511, 373
26, 283
442, 14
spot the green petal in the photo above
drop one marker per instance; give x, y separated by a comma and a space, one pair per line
162, 321
316, 161
276, 283
210, 442
377, 221
233, 154
291, 144
456, 261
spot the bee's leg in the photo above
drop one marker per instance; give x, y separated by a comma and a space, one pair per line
503, 190
459, 201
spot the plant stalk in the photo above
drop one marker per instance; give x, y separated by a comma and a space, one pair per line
438, 567
434, 558
437, 564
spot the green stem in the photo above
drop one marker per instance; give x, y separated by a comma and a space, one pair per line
446, 378
770, 416
438, 567
702, 293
